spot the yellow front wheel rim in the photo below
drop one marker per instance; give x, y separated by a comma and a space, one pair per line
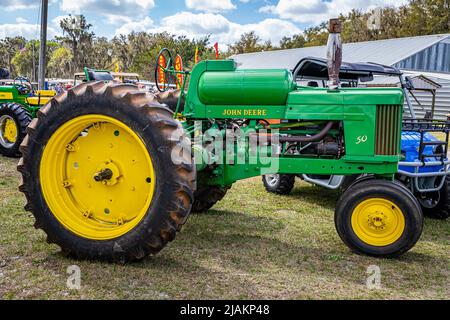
8, 131
97, 177
378, 222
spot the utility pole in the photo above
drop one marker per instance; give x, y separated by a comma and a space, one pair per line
43, 45
33, 74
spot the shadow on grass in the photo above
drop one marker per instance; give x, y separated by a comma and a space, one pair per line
225, 233
224, 251
316, 195
232, 237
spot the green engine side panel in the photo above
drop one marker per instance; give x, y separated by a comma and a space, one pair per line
356, 107
360, 132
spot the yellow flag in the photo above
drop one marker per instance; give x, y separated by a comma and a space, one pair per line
116, 68
179, 67
196, 55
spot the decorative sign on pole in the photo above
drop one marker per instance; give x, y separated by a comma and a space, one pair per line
196, 55
161, 74
179, 68
216, 48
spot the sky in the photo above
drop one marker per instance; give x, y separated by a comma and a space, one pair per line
224, 20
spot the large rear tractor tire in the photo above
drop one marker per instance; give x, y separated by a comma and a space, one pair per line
207, 196
378, 218
14, 120
170, 99
440, 203
99, 175
281, 184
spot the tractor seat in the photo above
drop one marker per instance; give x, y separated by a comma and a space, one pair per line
95, 75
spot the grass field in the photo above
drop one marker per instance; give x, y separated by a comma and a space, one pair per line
252, 245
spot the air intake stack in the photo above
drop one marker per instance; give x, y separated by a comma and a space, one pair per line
334, 53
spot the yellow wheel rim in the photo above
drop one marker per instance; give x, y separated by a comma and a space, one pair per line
8, 130
97, 177
378, 222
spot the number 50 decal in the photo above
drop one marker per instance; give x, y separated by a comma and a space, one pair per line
361, 139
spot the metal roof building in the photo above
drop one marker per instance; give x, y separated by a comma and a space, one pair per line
427, 55
442, 96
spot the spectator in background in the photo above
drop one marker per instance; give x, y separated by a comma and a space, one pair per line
59, 88
4, 73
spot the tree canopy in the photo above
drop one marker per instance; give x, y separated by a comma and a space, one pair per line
136, 52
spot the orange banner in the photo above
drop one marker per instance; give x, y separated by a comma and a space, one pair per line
179, 67
216, 48
161, 73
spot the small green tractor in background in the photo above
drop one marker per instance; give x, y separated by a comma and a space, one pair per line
19, 104
112, 173
89, 75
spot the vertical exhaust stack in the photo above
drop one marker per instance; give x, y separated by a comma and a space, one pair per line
334, 53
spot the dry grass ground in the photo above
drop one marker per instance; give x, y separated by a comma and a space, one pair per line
252, 245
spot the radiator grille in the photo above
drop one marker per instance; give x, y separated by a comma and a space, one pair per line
388, 129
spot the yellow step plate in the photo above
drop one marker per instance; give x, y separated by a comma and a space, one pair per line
36, 101
46, 93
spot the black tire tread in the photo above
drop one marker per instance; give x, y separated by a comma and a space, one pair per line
205, 197
170, 99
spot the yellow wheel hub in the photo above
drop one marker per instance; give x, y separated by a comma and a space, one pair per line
97, 177
378, 222
9, 130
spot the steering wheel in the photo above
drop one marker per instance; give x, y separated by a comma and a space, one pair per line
164, 70
22, 80
23, 85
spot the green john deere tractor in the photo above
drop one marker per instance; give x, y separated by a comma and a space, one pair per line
18, 106
112, 173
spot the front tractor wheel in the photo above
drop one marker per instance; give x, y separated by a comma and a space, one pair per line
436, 205
98, 173
14, 120
205, 197
378, 218
281, 184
